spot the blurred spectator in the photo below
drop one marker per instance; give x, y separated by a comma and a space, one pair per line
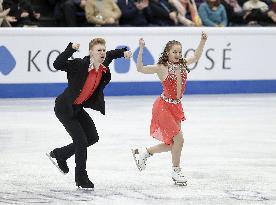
71, 13
235, 13
4, 22
187, 12
57, 11
213, 13
133, 12
199, 2
257, 12
162, 13
273, 6
267, 2
102, 12
22, 13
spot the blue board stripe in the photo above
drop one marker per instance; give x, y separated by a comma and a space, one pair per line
142, 88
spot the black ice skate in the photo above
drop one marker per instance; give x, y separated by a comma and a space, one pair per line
60, 164
84, 183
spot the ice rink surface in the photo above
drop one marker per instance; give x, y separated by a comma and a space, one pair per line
229, 155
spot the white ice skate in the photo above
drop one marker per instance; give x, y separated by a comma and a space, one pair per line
178, 177
143, 156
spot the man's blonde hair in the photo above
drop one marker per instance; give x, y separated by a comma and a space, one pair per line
96, 41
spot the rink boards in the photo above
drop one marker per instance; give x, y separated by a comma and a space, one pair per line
234, 60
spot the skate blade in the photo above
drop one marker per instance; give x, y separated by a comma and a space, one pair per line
179, 183
54, 163
84, 189
135, 160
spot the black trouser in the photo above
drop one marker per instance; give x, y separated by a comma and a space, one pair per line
82, 129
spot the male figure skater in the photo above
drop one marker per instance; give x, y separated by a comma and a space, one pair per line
87, 78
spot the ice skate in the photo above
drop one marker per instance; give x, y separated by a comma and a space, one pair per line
83, 182
85, 186
60, 164
140, 160
178, 177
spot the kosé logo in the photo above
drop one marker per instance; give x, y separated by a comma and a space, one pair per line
7, 61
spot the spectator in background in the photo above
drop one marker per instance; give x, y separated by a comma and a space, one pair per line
56, 6
267, 2
133, 12
102, 12
187, 12
162, 13
273, 5
235, 13
69, 13
213, 13
74, 13
257, 12
22, 13
198, 2
4, 22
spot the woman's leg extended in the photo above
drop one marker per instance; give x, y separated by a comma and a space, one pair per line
159, 148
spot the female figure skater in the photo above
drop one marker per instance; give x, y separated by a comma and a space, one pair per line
167, 112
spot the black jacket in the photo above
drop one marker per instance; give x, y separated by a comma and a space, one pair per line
77, 72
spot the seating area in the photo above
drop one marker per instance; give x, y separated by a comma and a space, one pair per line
137, 13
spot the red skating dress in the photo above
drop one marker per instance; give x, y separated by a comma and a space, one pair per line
167, 111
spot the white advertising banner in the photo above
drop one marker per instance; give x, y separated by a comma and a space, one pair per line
27, 55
